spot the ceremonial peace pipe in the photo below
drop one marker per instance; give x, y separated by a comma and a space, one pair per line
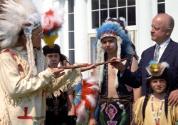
86, 64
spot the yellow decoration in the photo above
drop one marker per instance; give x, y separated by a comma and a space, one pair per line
154, 68
49, 40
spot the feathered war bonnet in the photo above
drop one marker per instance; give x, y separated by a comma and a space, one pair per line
113, 28
17, 16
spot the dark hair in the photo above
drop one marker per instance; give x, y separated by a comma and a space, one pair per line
63, 59
55, 49
51, 49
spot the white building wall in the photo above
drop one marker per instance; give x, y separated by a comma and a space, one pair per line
145, 9
172, 9
80, 32
64, 31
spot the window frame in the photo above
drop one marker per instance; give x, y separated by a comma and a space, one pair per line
99, 10
159, 10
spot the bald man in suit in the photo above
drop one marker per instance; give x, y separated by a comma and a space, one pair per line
162, 27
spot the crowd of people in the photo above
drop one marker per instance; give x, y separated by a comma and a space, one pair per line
37, 85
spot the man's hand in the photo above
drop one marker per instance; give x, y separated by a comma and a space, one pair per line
57, 72
173, 97
92, 121
117, 63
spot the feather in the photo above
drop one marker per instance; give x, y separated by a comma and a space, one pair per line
115, 29
51, 21
15, 10
89, 92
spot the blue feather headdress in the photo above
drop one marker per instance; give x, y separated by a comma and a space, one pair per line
125, 49
115, 28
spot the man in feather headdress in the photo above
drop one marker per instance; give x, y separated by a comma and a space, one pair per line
115, 96
24, 82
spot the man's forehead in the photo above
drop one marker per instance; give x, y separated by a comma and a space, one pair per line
159, 24
108, 38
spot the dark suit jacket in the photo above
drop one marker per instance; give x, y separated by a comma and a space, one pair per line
170, 55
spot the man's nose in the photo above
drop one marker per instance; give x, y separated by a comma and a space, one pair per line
107, 43
53, 58
152, 30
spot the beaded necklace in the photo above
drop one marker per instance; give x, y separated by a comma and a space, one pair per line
156, 114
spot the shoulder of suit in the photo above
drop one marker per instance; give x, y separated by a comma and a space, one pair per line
149, 49
175, 44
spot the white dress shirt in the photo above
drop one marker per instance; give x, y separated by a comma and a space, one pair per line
162, 47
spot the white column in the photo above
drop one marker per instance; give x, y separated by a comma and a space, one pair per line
80, 32
171, 7
145, 9
63, 33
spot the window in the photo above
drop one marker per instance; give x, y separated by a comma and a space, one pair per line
101, 9
71, 31
93, 49
161, 6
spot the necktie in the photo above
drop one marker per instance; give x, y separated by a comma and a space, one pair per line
156, 54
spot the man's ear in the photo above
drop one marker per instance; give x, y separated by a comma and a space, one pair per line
169, 31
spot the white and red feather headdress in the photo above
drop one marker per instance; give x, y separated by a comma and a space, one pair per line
17, 16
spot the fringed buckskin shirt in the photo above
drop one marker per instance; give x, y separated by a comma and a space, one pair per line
22, 99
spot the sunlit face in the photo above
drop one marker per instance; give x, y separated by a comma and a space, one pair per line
158, 85
52, 60
109, 44
159, 30
36, 37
